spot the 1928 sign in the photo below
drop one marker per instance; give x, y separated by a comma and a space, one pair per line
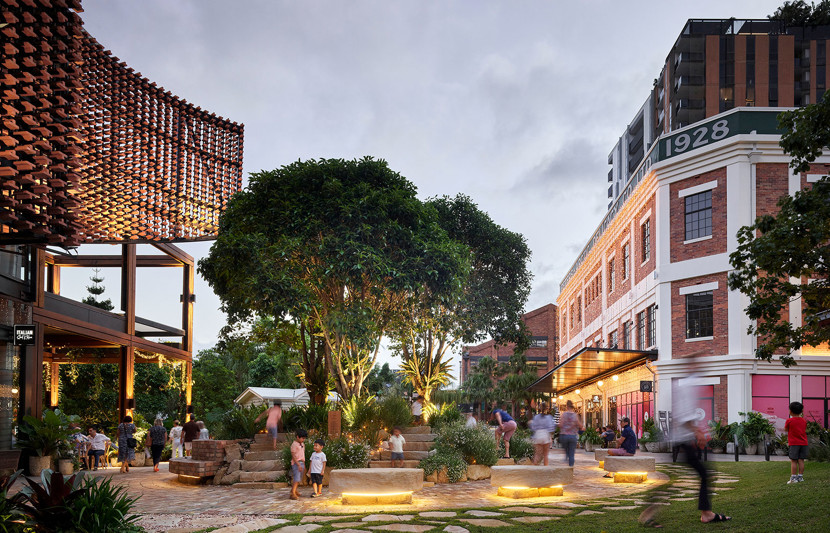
24, 334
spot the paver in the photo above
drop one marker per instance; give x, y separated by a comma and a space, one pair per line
588, 512
315, 518
536, 510
408, 528
305, 528
485, 522
456, 529
387, 518
438, 514
535, 519
476, 512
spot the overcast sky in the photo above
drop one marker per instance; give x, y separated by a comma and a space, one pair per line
516, 104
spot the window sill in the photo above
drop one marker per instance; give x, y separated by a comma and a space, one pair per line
697, 339
644, 262
699, 239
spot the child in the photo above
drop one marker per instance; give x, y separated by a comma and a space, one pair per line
318, 466
396, 442
796, 428
418, 410
297, 462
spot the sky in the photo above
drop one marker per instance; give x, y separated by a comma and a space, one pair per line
516, 104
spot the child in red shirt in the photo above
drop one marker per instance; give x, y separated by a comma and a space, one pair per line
796, 428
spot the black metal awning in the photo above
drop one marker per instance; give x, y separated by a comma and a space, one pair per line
588, 365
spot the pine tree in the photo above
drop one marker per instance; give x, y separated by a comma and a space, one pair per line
96, 290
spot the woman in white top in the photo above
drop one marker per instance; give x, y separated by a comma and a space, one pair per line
203, 432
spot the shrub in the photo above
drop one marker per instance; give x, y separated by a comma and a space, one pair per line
394, 411
340, 453
454, 463
239, 423
316, 417
362, 418
590, 436
104, 508
521, 446
820, 448
475, 445
445, 415
752, 430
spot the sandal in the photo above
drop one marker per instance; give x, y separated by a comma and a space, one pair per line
719, 518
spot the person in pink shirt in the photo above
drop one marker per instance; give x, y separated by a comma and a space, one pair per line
297, 462
274, 414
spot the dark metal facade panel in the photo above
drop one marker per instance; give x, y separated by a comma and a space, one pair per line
587, 365
90, 151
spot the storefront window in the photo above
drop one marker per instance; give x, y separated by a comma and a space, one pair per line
816, 393
771, 395
634, 405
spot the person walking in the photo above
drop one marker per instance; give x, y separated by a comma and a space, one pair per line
273, 414
190, 430
176, 440
507, 427
796, 429
542, 426
157, 437
126, 443
569, 426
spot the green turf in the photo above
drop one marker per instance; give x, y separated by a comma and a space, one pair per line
761, 501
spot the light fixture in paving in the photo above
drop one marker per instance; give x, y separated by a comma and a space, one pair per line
630, 477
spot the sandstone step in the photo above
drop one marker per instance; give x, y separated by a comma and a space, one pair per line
420, 437
417, 446
265, 438
262, 486
386, 455
411, 463
416, 430
261, 466
272, 476
262, 456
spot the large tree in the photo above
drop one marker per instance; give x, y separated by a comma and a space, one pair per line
338, 246
491, 303
785, 258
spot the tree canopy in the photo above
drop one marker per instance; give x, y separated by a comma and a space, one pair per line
338, 246
800, 13
495, 289
785, 257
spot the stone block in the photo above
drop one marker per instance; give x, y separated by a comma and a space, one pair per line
530, 476
262, 456
232, 453
230, 479
529, 492
234, 466
416, 430
260, 486
407, 454
254, 477
261, 466
630, 477
504, 461
334, 423
376, 480
524, 461
217, 479
600, 454
408, 463
476, 472
417, 446
629, 464
377, 499
420, 437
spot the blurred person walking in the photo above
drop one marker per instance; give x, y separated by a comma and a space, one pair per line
569, 426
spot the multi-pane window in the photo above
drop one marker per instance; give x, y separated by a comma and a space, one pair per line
645, 234
611, 284
641, 330
612, 339
699, 215
626, 260
699, 318
628, 332
651, 318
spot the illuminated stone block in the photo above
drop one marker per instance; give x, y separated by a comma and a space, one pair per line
630, 477
376, 499
632, 463
530, 476
529, 492
551, 491
600, 455
376, 480
602, 464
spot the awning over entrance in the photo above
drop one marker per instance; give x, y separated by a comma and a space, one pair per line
588, 365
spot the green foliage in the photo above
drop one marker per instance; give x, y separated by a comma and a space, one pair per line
449, 459
720, 431
104, 508
381, 379
239, 423
361, 417
782, 442
820, 447
48, 503
521, 447
214, 383
159, 390
476, 445
11, 512
44, 436
309, 417
801, 13
753, 428
95, 290
339, 246
394, 411
814, 429
445, 415
340, 453
88, 391
793, 244
590, 436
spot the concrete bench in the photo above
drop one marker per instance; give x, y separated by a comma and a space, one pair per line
376, 486
526, 481
629, 469
599, 455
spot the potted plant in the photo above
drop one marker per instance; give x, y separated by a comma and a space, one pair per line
782, 444
651, 436
721, 434
43, 437
751, 431
590, 438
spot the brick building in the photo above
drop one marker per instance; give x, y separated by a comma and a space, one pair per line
650, 286
543, 349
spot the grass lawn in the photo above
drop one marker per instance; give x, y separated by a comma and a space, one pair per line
760, 501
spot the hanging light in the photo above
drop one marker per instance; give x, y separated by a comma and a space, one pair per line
615, 377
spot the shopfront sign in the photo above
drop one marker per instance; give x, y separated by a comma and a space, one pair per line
24, 334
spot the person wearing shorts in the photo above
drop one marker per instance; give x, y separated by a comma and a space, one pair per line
318, 466
274, 414
396, 442
796, 428
506, 429
297, 462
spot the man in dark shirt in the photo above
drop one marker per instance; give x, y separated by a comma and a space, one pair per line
190, 431
628, 446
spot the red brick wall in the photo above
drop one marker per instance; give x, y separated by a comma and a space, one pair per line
771, 183
715, 245
621, 286
721, 400
592, 299
719, 345
641, 269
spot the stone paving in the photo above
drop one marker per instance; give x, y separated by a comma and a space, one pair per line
168, 506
